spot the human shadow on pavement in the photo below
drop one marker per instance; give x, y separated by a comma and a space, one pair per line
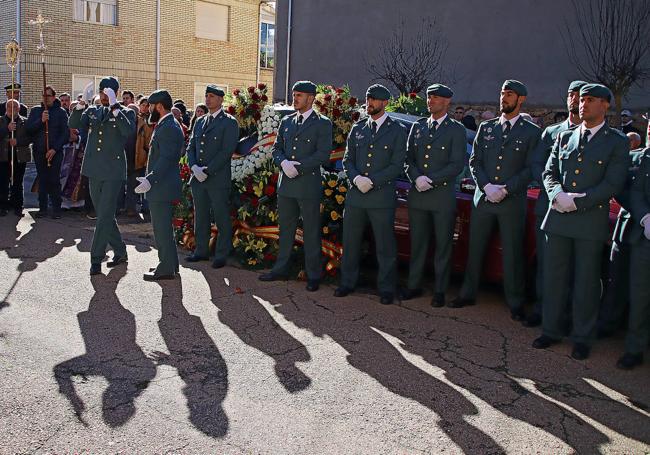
255, 327
197, 359
109, 333
350, 326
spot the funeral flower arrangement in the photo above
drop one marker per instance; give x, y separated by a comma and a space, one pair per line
340, 107
246, 106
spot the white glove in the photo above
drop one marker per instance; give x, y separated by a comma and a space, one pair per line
363, 183
495, 193
144, 185
646, 225
289, 168
199, 173
112, 97
564, 202
423, 183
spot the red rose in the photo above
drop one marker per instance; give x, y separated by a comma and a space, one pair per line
318, 103
265, 98
339, 91
328, 97
249, 187
231, 110
257, 116
236, 92
261, 86
251, 90
339, 101
336, 113
413, 95
176, 201
269, 257
255, 97
274, 178
255, 107
355, 116
352, 102
269, 190
178, 222
255, 202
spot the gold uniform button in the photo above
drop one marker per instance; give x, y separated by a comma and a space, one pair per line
600, 206
579, 159
574, 184
372, 146
295, 139
99, 149
442, 148
426, 165
444, 184
426, 156
496, 178
293, 157
369, 155
100, 133
100, 141
202, 143
368, 165
498, 168
365, 173
386, 147
294, 147
577, 171
500, 157
600, 162
428, 146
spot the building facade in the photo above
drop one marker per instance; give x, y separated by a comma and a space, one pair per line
179, 45
488, 42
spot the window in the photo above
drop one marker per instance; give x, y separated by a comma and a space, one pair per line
199, 91
96, 11
86, 86
212, 21
267, 41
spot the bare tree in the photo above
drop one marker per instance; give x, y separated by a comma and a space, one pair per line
409, 59
608, 42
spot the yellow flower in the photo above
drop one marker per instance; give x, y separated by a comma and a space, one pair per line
342, 189
252, 262
328, 192
332, 183
340, 199
273, 215
258, 189
326, 230
334, 215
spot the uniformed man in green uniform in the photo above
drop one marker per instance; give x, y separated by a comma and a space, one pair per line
540, 158
635, 227
162, 183
435, 156
303, 144
500, 164
109, 126
374, 158
210, 149
587, 167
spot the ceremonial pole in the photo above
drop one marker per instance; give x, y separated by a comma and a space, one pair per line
41, 48
12, 55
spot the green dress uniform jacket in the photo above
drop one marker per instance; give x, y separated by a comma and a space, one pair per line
438, 154
538, 165
501, 160
380, 157
310, 144
104, 164
167, 144
213, 141
598, 168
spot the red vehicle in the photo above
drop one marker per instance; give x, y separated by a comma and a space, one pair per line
493, 264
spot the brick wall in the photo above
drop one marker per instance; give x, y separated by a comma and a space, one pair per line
128, 50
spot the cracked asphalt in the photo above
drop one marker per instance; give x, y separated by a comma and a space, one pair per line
218, 362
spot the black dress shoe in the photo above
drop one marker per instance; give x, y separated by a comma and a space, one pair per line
408, 294
580, 351
95, 269
517, 314
312, 285
386, 298
152, 276
438, 300
18, 211
117, 260
56, 215
39, 213
218, 263
195, 258
533, 320
342, 291
460, 302
628, 361
544, 342
272, 277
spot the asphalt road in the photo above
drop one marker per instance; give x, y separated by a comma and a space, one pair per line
218, 362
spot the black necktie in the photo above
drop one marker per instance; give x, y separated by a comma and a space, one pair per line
434, 126
374, 127
300, 119
585, 136
506, 129
208, 121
